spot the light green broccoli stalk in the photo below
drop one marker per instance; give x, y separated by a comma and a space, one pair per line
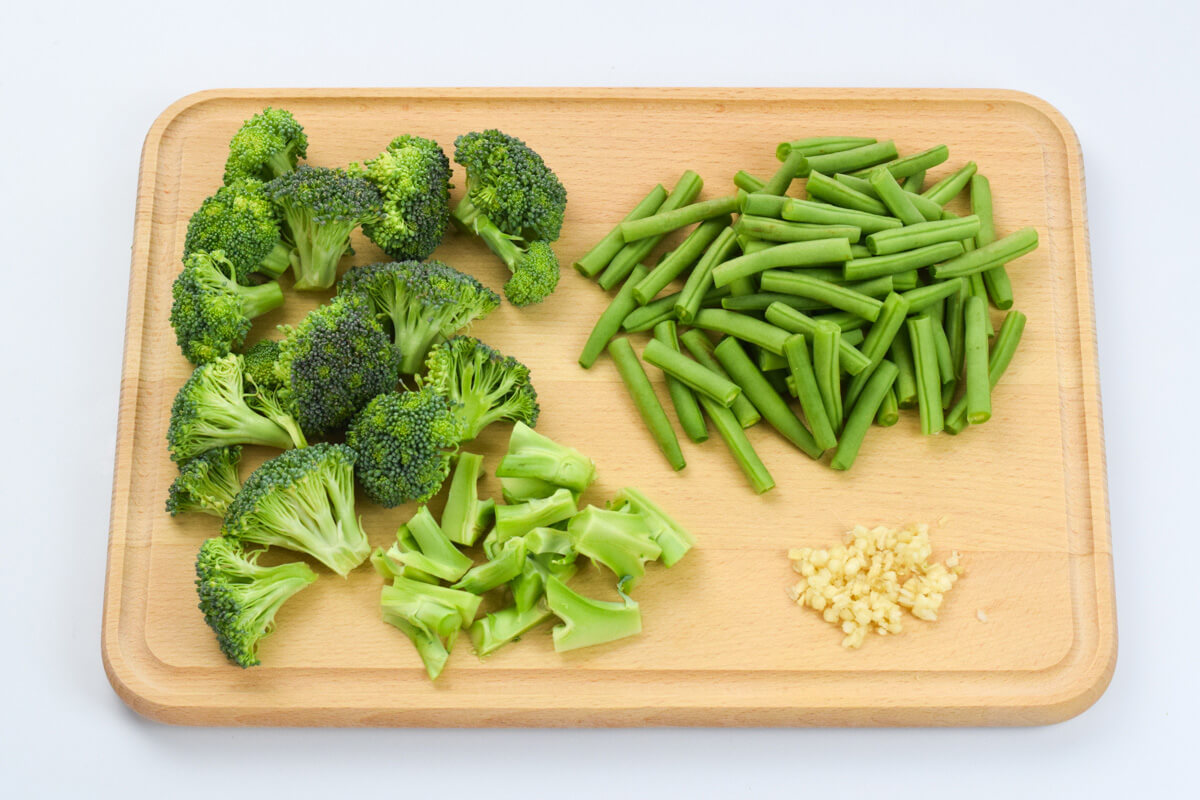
465, 516
620, 541
667, 533
431, 616
422, 545
520, 519
588, 622
532, 455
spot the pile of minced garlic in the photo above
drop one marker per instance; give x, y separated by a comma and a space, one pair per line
864, 583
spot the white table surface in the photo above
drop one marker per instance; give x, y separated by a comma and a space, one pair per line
80, 85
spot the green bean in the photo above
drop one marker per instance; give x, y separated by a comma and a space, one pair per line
1007, 339
903, 281
853, 337
923, 297
687, 408
747, 182
889, 410
779, 182
760, 300
945, 361
643, 318
901, 355
748, 329
838, 296
792, 321
776, 230
879, 339
680, 259
827, 342
739, 446
610, 321
858, 184
821, 145
929, 386
928, 209
859, 420
989, 256
914, 182
948, 187
996, 280
915, 164
673, 219
758, 204
821, 214
922, 234
822, 186
894, 197
773, 407
978, 288
844, 320
955, 324
769, 362
857, 269
792, 254
596, 259
849, 160
804, 379
859, 251
701, 349
979, 390
684, 192
646, 400
690, 373
699, 281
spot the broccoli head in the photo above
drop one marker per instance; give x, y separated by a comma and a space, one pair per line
239, 598
206, 483
241, 221
303, 500
267, 145
426, 302
259, 364
333, 362
484, 385
511, 185
211, 311
413, 175
404, 442
212, 409
321, 207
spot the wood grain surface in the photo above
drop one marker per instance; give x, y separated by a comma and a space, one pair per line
1023, 498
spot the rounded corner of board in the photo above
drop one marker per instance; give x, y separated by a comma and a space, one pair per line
1048, 112
1085, 685
177, 109
132, 687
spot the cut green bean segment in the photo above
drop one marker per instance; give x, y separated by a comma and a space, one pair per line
1005, 345
699, 280
928, 209
758, 204
821, 145
977, 288
690, 373
903, 281
901, 355
859, 251
990, 256
889, 410
673, 219
779, 182
924, 297
822, 214
925, 208
954, 323
777, 230
684, 192
698, 344
823, 187
879, 339
687, 408
853, 337
945, 361
610, 321
858, 422
793, 254
826, 341
894, 197
643, 318
769, 362
858, 184
747, 182
914, 182
850, 160
680, 259
774, 408
929, 383
948, 187
596, 259
996, 281
646, 401
857, 269
804, 379
748, 329
836, 295
739, 446
789, 319
916, 164
760, 300
979, 390
844, 320
922, 234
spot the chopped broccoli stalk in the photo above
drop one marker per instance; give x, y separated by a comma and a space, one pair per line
321, 207
502, 568
268, 144
430, 615
485, 385
532, 455
667, 533
259, 363
518, 490
383, 566
426, 303
206, 483
422, 545
520, 519
413, 176
239, 598
211, 311
550, 542
241, 221
303, 500
390, 563
508, 624
465, 516
530, 586
619, 540
213, 410
588, 622
533, 264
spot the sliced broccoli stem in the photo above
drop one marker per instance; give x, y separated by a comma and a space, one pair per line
505, 566
506, 625
280, 161
319, 248
241, 425
427, 548
499, 242
530, 585
620, 541
588, 622
431, 616
520, 519
258, 300
667, 533
277, 261
532, 455
464, 516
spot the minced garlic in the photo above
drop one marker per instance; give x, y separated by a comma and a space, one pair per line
864, 583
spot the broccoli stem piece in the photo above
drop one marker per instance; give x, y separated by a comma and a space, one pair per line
588, 622
499, 242
530, 586
465, 515
621, 541
502, 568
431, 616
532, 455
668, 534
319, 247
520, 519
422, 544
518, 490
276, 262
499, 628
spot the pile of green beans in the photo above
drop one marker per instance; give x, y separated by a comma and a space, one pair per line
819, 312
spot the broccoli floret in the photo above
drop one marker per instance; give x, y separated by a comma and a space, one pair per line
667, 533
532, 455
413, 175
239, 598
485, 385
303, 500
405, 441
621, 541
520, 519
588, 622
213, 410
206, 483
465, 516
426, 302
431, 616
423, 546
211, 311
533, 265
267, 145
511, 185
241, 221
321, 207
259, 360
333, 362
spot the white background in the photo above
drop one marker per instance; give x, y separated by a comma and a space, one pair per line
81, 84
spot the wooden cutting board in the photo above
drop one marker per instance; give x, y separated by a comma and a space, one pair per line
1023, 498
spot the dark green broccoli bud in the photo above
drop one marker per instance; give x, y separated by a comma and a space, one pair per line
533, 265
511, 185
242, 222
430, 615
413, 175
426, 302
303, 500
333, 362
404, 442
211, 311
321, 207
485, 385
267, 145
532, 455
239, 598
259, 361
206, 483
213, 410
